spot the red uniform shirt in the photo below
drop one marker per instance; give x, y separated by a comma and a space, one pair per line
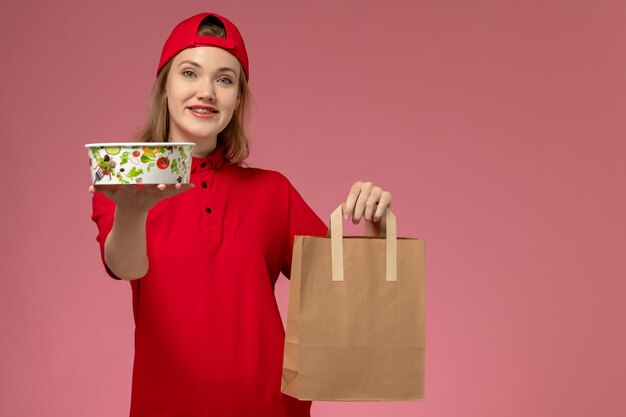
208, 334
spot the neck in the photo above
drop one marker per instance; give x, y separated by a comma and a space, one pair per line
202, 148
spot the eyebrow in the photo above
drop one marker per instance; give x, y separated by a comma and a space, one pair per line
195, 64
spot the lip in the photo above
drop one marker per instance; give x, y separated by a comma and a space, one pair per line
203, 115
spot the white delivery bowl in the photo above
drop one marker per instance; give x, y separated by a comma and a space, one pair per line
140, 162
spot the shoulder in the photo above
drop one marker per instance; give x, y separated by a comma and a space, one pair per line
267, 189
261, 175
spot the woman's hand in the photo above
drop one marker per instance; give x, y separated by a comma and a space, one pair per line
125, 249
139, 198
368, 201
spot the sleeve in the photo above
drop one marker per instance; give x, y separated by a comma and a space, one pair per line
103, 212
302, 221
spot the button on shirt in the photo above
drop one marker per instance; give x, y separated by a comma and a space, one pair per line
208, 335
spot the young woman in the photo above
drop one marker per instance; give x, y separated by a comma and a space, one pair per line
202, 259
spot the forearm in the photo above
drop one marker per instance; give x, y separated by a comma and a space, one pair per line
125, 250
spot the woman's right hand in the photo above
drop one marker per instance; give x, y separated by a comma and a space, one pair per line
139, 198
125, 249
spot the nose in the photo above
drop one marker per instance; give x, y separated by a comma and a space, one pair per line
206, 90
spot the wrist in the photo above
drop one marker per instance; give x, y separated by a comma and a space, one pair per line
130, 214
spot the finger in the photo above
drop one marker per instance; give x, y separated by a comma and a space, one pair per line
172, 191
359, 208
181, 188
383, 204
353, 195
107, 190
372, 201
92, 189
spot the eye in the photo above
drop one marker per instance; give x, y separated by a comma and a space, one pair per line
225, 80
188, 74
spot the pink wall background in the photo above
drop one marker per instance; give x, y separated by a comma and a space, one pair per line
498, 126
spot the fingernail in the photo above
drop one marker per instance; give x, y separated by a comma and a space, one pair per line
346, 216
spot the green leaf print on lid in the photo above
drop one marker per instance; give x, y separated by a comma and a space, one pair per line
135, 172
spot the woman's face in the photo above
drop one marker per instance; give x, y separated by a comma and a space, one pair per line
202, 90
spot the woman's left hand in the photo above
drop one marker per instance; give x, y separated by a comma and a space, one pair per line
368, 201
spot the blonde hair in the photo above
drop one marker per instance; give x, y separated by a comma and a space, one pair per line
233, 139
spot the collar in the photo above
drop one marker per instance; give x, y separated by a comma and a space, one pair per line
214, 161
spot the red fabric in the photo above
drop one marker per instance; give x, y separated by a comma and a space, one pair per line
208, 337
185, 35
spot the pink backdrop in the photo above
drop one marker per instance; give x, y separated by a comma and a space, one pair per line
498, 126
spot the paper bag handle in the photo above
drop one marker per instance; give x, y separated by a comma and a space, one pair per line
388, 230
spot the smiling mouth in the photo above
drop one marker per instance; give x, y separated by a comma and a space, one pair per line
202, 111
